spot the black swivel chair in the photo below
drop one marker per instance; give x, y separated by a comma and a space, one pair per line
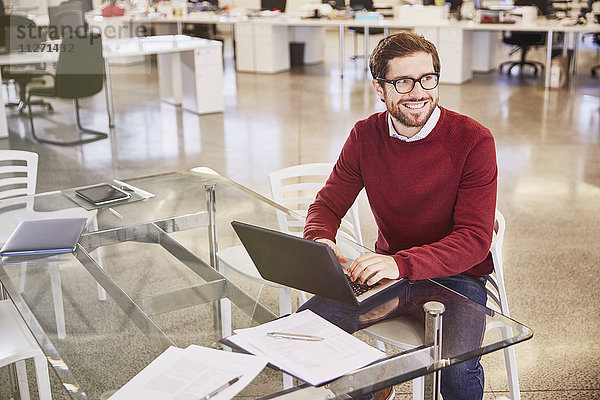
358, 5
20, 34
79, 74
525, 40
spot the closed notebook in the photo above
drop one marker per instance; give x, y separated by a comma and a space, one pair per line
44, 236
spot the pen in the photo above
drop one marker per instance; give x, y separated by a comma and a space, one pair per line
296, 336
115, 212
221, 388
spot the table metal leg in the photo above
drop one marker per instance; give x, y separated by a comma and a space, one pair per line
213, 248
212, 224
433, 336
3, 121
341, 42
548, 59
575, 51
110, 108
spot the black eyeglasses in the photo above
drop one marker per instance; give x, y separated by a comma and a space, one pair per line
405, 85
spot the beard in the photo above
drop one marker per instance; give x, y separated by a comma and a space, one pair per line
407, 118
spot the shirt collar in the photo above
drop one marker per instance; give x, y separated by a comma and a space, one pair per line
423, 132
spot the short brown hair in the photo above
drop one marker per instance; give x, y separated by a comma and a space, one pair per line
400, 44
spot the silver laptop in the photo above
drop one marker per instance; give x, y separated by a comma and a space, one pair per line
305, 265
44, 237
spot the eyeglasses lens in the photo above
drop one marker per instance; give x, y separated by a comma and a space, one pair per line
428, 82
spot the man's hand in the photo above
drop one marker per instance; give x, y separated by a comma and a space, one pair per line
380, 312
336, 250
372, 268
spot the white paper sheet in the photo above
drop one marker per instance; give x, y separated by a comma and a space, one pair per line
314, 362
190, 374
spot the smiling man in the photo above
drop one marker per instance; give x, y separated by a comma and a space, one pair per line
430, 177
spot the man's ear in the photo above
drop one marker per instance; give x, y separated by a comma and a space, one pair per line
378, 89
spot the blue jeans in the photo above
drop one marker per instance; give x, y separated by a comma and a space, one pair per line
462, 328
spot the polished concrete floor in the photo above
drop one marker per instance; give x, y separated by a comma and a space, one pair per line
548, 145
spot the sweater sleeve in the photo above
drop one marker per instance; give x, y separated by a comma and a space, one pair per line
468, 243
337, 196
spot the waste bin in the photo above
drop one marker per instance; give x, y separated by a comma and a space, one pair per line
296, 53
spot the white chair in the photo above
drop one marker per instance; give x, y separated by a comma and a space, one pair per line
295, 188
16, 345
21, 177
401, 333
18, 173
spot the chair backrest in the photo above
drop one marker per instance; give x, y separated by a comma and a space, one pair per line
524, 39
495, 288
296, 188
80, 67
18, 173
66, 19
17, 32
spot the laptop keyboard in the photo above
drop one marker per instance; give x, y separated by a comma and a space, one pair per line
358, 288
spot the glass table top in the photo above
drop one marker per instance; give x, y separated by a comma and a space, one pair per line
142, 279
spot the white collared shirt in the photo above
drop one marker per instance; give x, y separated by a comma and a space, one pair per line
423, 132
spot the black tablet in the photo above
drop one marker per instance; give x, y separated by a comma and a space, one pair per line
102, 194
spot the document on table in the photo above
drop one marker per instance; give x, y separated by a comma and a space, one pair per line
191, 374
314, 362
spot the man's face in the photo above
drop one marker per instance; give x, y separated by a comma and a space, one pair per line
414, 108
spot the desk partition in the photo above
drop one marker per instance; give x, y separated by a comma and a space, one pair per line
155, 258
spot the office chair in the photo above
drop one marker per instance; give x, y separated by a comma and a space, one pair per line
295, 188
12, 38
407, 334
18, 174
79, 74
358, 5
525, 40
66, 20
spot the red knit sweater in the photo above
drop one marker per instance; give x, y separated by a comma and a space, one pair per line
433, 199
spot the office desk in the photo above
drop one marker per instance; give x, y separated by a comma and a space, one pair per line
156, 262
464, 46
458, 42
190, 70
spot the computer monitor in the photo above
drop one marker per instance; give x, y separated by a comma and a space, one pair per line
542, 5
362, 5
336, 4
493, 5
273, 5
